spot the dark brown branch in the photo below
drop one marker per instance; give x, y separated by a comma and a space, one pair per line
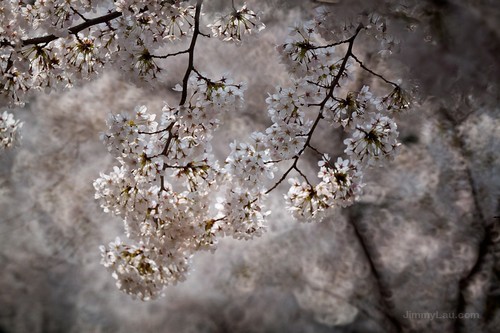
169, 140
315, 150
320, 114
341, 69
79, 14
302, 174
329, 45
296, 157
170, 54
74, 30
282, 177
205, 35
190, 68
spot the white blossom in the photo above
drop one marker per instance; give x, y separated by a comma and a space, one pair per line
8, 130
373, 141
174, 196
233, 26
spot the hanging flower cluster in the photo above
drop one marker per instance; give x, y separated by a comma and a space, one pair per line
164, 185
174, 196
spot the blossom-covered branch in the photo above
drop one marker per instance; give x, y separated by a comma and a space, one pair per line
73, 30
173, 194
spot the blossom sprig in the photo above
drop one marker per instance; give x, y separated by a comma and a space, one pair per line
348, 111
341, 181
397, 100
233, 26
340, 185
374, 141
156, 21
360, 113
166, 178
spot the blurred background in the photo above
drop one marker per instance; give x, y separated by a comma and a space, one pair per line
421, 239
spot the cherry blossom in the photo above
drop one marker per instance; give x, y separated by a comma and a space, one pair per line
233, 26
174, 196
8, 130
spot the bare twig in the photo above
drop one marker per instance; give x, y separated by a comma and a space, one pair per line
170, 54
372, 72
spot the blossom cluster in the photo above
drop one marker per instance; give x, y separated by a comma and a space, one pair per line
231, 27
8, 130
321, 91
286, 137
340, 185
174, 196
56, 43
177, 199
164, 187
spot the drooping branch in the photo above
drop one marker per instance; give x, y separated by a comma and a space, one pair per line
321, 105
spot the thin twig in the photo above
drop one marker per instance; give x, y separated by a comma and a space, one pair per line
372, 72
170, 54
329, 45
79, 14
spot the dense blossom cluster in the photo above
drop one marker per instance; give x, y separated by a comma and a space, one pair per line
66, 41
176, 199
174, 196
374, 140
164, 186
340, 185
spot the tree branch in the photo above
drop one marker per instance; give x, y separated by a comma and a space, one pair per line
372, 72
341, 69
320, 114
170, 54
190, 67
74, 30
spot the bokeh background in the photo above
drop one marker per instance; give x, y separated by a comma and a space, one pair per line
423, 237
